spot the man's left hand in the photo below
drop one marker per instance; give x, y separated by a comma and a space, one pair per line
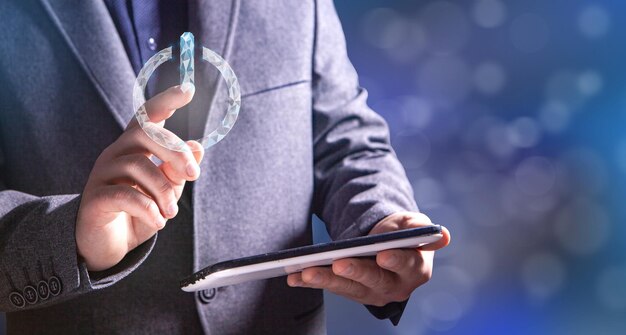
392, 277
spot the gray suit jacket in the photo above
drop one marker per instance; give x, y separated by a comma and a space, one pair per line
305, 143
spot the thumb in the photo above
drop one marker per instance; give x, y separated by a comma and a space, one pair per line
197, 150
443, 242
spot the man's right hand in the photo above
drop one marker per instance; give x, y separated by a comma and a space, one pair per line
128, 198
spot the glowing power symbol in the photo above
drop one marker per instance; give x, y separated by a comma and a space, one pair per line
165, 137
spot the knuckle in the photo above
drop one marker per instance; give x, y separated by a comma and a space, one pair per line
150, 207
378, 279
165, 187
388, 281
425, 270
309, 276
133, 164
97, 198
379, 302
400, 296
389, 288
96, 193
328, 282
409, 258
428, 274
359, 293
403, 259
408, 216
323, 279
424, 276
120, 194
346, 286
359, 274
415, 262
328, 279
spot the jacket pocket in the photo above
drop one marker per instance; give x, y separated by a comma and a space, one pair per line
274, 88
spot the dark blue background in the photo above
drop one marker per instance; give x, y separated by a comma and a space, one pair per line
509, 118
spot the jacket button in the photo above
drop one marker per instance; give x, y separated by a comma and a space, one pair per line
17, 299
152, 45
30, 294
205, 296
43, 290
54, 285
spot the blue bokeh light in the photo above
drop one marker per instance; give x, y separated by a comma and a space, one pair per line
508, 117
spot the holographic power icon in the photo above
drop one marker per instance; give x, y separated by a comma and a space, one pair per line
163, 136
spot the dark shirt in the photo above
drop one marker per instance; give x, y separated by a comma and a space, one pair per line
146, 27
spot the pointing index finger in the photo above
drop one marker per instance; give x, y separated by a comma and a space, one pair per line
163, 105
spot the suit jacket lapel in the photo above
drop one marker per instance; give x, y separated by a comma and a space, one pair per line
213, 23
90, 33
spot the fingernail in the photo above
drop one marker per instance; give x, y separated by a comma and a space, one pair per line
192, 170
161, 222
391, 261
188, 87
347, 270
172, 209
297, 283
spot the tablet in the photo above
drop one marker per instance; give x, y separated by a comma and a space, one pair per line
288, 261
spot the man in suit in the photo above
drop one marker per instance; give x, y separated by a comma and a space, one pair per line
82, 201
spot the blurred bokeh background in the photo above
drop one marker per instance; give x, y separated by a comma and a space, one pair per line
509, 118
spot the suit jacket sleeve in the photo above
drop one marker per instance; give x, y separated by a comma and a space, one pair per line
358, 179
39, 262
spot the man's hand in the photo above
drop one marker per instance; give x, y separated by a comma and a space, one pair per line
392, 277
128, 198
